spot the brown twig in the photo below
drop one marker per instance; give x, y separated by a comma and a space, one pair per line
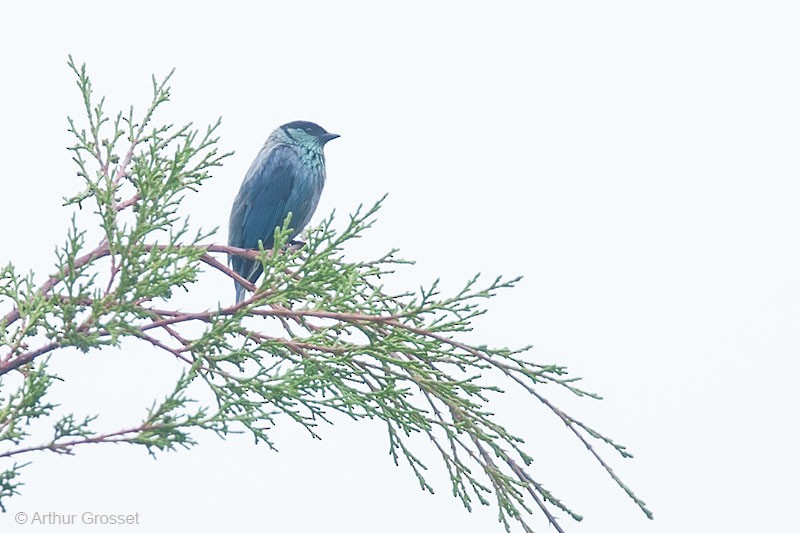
66, 447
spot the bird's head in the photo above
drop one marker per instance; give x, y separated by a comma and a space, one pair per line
306, 134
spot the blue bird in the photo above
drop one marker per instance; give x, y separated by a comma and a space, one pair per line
287, 176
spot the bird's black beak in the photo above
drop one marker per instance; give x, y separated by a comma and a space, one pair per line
325, 137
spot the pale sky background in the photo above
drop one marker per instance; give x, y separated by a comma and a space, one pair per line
637, 162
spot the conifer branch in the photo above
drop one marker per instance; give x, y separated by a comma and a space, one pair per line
347, 346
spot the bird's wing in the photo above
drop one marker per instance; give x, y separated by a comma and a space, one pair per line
260, 205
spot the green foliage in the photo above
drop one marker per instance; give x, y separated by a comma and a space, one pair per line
347, 344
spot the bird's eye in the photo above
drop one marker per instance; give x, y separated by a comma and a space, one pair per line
308, 130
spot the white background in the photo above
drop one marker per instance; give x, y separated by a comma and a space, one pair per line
635, 161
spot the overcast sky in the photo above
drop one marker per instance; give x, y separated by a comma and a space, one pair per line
636, 162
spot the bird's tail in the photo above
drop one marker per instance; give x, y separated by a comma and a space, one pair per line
239, 292
250, 270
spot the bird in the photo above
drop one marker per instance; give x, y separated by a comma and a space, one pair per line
287, 176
